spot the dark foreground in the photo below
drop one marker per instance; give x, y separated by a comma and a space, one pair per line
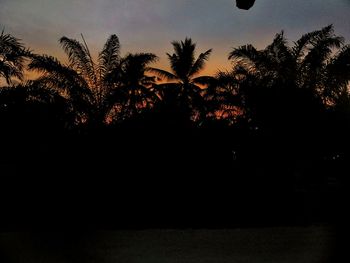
270, 245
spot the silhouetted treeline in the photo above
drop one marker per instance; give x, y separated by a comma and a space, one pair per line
116, 142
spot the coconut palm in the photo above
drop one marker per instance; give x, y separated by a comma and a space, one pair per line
183, 82
135, 92
12, 58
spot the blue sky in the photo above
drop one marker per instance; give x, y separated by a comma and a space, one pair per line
150, 25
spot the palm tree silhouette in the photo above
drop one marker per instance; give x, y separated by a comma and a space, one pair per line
93, 87
12, 58
287, 92
275, 77
309, 64
183, 87
223, 101
135, 92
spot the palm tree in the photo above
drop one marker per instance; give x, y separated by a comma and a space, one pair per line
278, 78
12, 58
337, 73
287, 90
183, 86
90, 86
222, 97
309, 64
135, 92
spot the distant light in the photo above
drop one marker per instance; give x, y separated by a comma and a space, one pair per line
234, 155
245, 4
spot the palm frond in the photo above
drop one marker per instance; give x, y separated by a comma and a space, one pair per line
49, 65
8, 71
311, 39
80, 58
177, 47
175, 64
338, 71
162, 73
246, 52
12, 57
204, 80
279, 48
60, 77
340, 64
302, 43
321, 52
109, 57
200, 62
9, 43
134, 66
138, 61
145, 58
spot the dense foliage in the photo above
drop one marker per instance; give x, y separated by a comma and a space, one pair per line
273, 129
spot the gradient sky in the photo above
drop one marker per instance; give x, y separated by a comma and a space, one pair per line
150, 25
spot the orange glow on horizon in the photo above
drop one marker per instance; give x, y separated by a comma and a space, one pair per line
213, 65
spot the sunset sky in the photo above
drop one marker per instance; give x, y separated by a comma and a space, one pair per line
150, 25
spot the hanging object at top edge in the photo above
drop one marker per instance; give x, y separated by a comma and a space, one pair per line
245, 4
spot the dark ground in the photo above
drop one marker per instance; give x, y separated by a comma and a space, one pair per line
273, 244
120, 197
